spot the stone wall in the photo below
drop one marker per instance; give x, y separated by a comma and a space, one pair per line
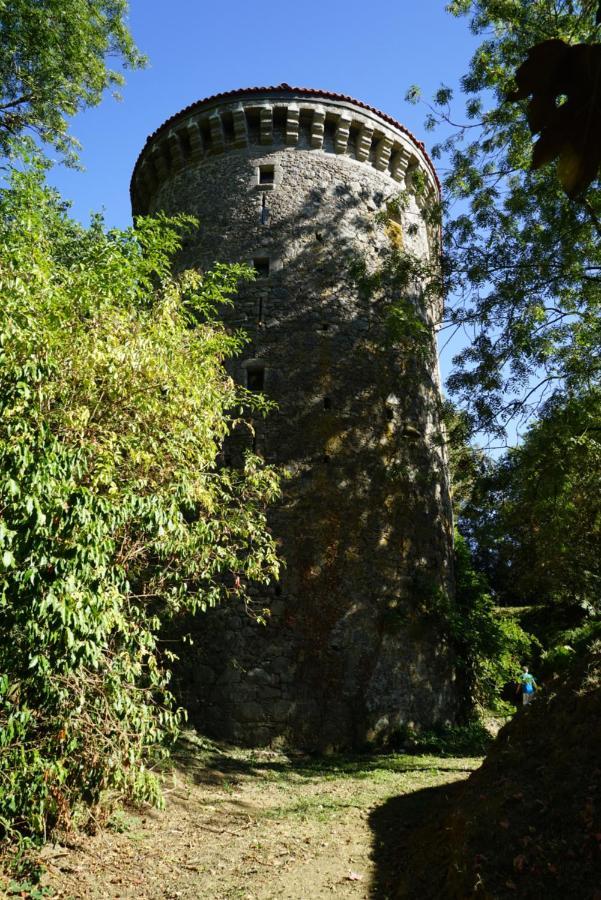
365, 524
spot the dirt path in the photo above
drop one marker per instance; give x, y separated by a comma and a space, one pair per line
252, 825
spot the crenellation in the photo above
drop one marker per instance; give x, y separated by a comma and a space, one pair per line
399, 161
217, 133
322, 127
382, 153
280, 116
329, 133
341, 135
318, 127
157, 157
196, 145
176, 154
366, 133
147, 176
266, 124
292, 124
240, 126
184, 142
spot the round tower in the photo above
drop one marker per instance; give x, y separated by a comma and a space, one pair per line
322, 193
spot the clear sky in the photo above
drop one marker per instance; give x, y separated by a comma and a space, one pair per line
372, 51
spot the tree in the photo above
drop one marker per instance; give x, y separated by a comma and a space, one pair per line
53, 63
114, 403
115, 514
468, 465
523, 261
536, 522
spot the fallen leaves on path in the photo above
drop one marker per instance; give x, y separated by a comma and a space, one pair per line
247, 825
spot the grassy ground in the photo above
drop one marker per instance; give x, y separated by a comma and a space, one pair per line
257, 825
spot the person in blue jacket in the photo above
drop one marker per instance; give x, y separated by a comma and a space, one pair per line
526, 685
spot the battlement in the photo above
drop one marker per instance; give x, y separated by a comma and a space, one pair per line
280, 117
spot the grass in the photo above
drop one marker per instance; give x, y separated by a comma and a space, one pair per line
254, 823
321, 809
120, 822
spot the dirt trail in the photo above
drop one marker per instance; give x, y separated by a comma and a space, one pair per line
251, 825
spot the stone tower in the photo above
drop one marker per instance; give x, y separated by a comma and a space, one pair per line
304, 185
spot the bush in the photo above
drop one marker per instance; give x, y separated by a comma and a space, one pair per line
471, 739
489, 647
569, 645
113, 406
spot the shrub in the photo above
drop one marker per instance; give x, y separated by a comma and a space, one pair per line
489, 648
471, 739
114, 403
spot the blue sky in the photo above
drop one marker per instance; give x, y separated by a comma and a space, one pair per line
372, 51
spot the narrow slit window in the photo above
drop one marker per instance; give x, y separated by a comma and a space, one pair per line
266, 174
255, 378
261, 307
327, 403
261, 266
264, 210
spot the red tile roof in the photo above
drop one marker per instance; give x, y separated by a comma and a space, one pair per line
286, 88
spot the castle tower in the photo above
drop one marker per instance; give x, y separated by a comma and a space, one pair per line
318, 191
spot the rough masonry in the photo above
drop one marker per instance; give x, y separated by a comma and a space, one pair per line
301, 184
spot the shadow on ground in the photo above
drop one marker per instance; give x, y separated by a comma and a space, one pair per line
394, 826
210, 765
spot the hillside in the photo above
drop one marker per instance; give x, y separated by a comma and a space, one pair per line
527, 823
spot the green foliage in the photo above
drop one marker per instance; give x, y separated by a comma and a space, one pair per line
471, 739
552, 508
489, 649
569, 646
53, 64
523, 262
114, 403
22, 868
27, 889
468, 465
537, 517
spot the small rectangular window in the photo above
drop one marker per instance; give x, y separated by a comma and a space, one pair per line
255, 378
261, 266
266, 174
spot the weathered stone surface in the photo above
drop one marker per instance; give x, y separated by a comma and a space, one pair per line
365, 522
